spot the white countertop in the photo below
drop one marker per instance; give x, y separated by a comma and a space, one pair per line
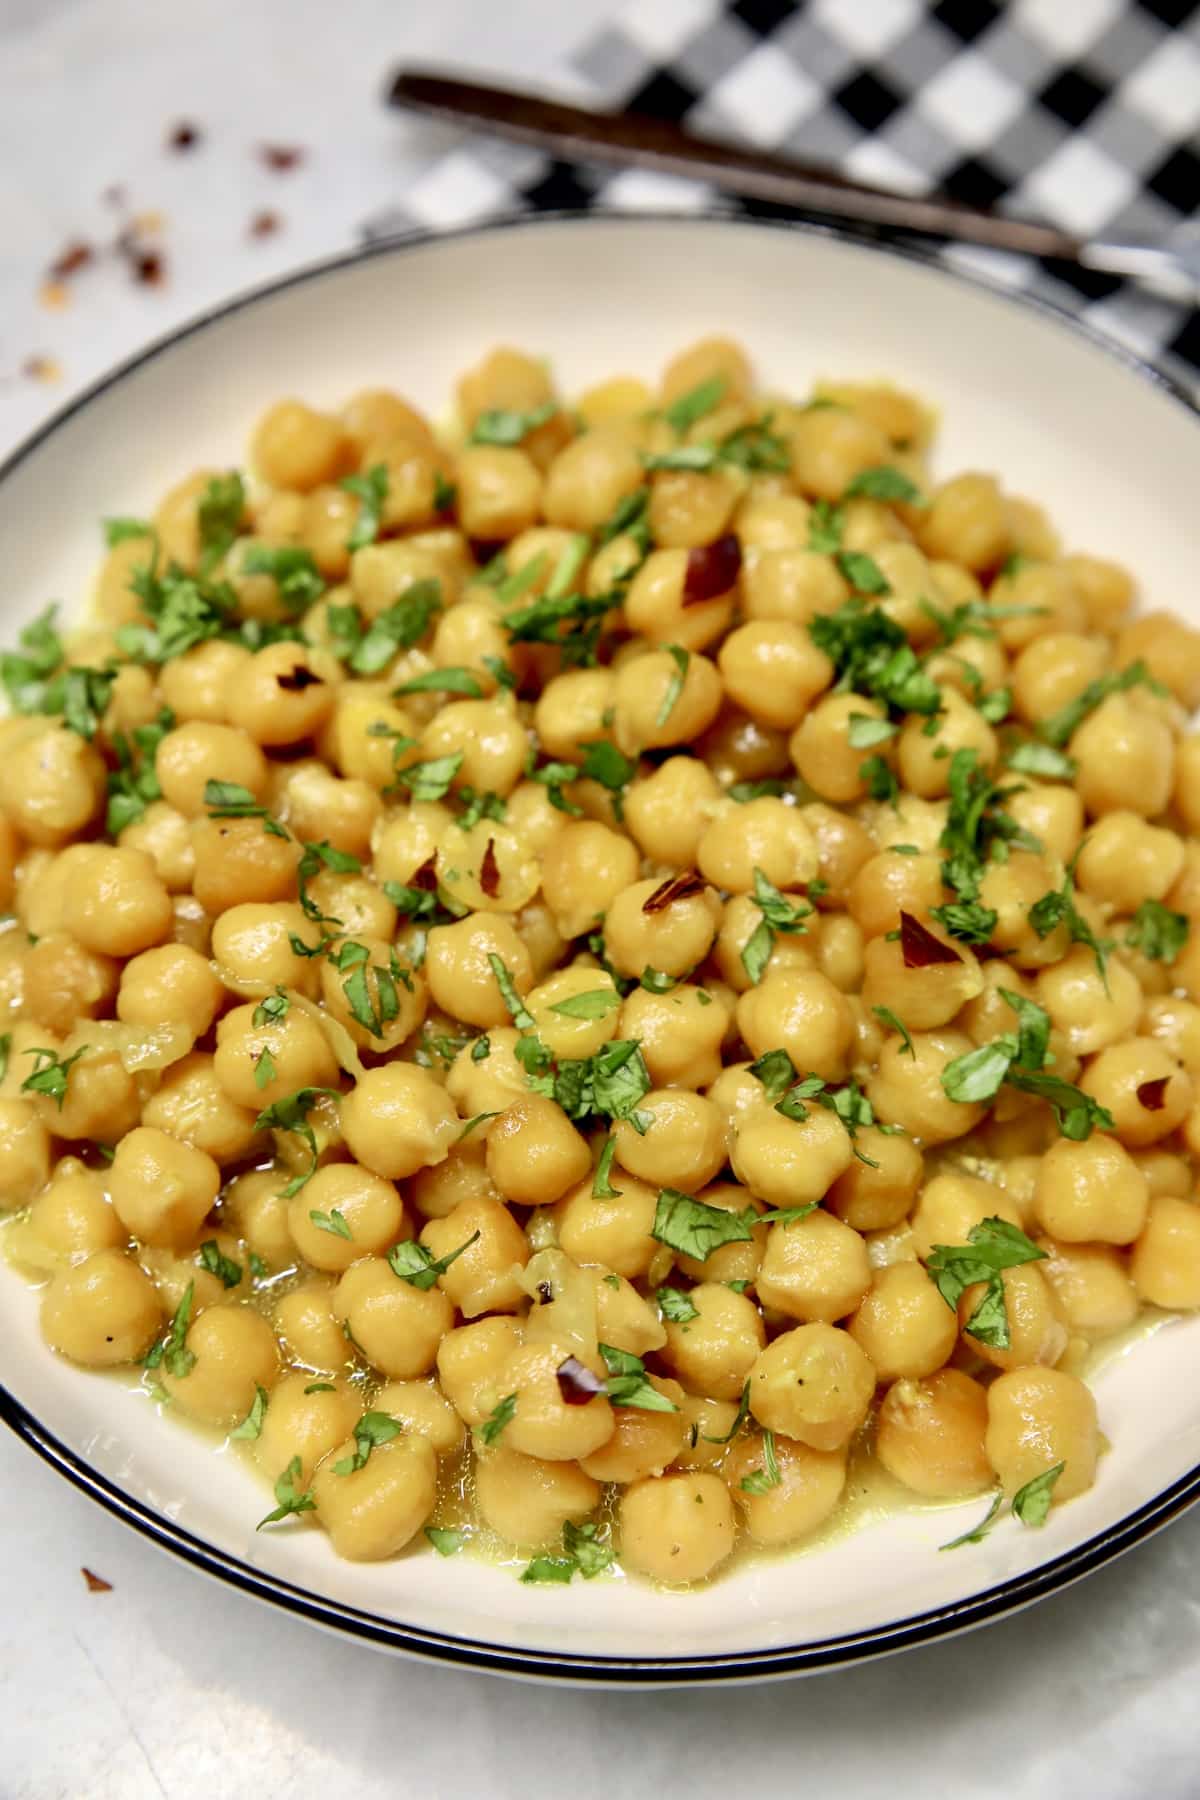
170, 1684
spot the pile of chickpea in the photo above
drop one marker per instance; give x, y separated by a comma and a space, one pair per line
184, 976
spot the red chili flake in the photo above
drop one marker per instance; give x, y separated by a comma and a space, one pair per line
577, 1384
484, 550
96, 1584
297, 679
148, 267
425, 877
489, 871
184, 136
281, 157
1153, 1094
919, 948
712, 569
675, 887
76, 256
264, 224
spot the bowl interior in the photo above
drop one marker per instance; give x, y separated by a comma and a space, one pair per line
1111, 456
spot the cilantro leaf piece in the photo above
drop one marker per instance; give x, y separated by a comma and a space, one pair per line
655, 982
213, 1258
993, 1246
500, 1416
1061, 726
251, 1426
978, 1075
24, 672
629, 1385
230, 800
370, 489
432, 780
81, 696
373, 1429
604, 763
1033, 1029
674, 687
743, 1412
399, 627
596, 1003
826, 523
289, 1496
778, 914
1077, 1114
1058, 908
863, 730
291, 1114
887, 1017
693, 1228
977, 1533
788, 1215
676, 1305
315, 858
333, 1221
442, 681
761, 1481
120, 530
51, 1073
293, 571
506, 427
1033, 758
1031, 1503
743, 791
683, 413
522, 1018
583, 1544
880, 779
1157, 932
219, 514
446, 1540
171, 1351
627, 516
862, 572
413, 1263
549, 1568
273, 1007
776, 1071
602, 1187
884, 483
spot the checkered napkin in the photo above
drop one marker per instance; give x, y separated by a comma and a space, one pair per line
1081, 112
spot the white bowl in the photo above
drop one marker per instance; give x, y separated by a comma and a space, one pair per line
1110, 450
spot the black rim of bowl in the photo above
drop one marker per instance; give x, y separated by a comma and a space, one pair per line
829, 1653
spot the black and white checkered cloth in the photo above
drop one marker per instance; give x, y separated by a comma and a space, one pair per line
1081, 112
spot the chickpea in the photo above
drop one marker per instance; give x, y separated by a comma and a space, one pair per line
1142, 1086
1092, 1287
584, 867
903, 1324
1126, 759
1090, 1009
1165, 1173
930, 1435
800, 1011
614, 1232
52, 783
1165, 1265
304, 1424
459, 969
814, 1268
396, 1120
192, 755
191, 1104
928, 995
371, 1512
822, 752
101, 1312
1053, 670
64, 982
680, 1033
676, 1528
1038, 1418
256, 1211
196, 684
588, 479
966, 522
543, 1423
305, 1321
951, 1205
811, 1482
279, 695
376, 415
1169, 648
762, 834
436, 1191
1091, 1192
643, 1443
527, 1500
100, 1102
814, 1384
671, 937
773, 669
470, 1362
162, 1190
906, 1090
875, 1195
237, 863
714, 1352
252, 946
886, 885
570, 1034
534, 1154
486, 1276
683, 1145
489, 1084
235, 1354
924, 762
1036, 1330
317, 805
421, 1407
1125, 861
793, 585
260, 1064
370, 1207
295, 447
69, 1220
570, 710
491, 739
118, 905
397, 1326
685, 510
171, 982
623, 1319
